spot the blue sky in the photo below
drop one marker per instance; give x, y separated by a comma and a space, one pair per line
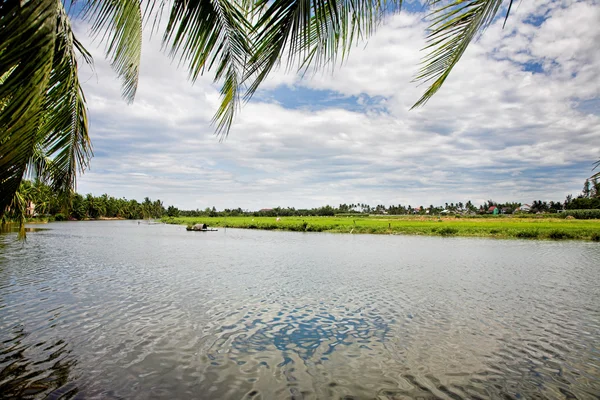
518, 120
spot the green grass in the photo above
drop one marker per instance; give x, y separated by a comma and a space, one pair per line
500, 227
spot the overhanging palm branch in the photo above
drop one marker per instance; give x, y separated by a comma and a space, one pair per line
454, 26
27, 41
43, 116
119, 24
597, 174
207, 34
311, 33
63, 135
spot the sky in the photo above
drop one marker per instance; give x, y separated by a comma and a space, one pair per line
517, 120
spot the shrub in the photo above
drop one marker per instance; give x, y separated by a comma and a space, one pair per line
558, 234
528, 234
60, 217
582, 214
596, 236
447, 231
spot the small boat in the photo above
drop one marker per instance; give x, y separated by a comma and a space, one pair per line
200, 228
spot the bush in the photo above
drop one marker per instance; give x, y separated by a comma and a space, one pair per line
596, 236
582, 214
558, 234
447, 231
60, 217
528, 234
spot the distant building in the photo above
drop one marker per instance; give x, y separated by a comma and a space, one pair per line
265, 209
494, 210
30, 210
524, 208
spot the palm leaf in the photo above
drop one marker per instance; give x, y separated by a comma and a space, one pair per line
311, 32
26, 52
597, 174
208, 34
120, 24
43, 115
452, 29
63, 138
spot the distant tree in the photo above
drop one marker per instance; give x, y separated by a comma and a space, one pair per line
172, 211
568, 201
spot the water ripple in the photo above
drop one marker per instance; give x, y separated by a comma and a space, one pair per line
120, 310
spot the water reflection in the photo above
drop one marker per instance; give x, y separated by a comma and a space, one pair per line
40, 370
7, 228
304, 333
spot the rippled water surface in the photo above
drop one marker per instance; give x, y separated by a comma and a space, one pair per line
121, 310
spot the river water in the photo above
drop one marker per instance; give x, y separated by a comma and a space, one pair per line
118, 310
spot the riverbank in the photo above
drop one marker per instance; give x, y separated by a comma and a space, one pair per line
501, 227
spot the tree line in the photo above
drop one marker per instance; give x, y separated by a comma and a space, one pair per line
41, 199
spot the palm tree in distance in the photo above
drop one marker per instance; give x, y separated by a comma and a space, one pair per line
43, 119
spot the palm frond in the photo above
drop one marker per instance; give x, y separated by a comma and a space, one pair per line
43, 116
64, 146
336, 25
311, 33
208, 34
26, 53
597, 174
453, 27
120, 23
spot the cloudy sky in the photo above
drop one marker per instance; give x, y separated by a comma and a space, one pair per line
518, 120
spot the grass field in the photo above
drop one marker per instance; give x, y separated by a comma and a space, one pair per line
500, 227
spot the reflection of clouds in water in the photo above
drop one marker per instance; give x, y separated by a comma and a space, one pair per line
303, 330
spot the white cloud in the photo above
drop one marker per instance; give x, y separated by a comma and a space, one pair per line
495, 130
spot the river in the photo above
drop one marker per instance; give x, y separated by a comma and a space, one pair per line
121, 310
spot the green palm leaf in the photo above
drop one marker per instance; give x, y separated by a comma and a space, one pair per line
208, 34
452, 29
26, 53
63, 135
597, 174
313, 32
43, 117
119, 23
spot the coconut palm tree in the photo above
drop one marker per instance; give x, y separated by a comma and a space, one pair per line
43, 119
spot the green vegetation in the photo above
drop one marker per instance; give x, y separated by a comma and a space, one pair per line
38, 202
582, 214
498, 227
544, 221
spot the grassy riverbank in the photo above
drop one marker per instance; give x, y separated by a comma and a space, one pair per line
500, 227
